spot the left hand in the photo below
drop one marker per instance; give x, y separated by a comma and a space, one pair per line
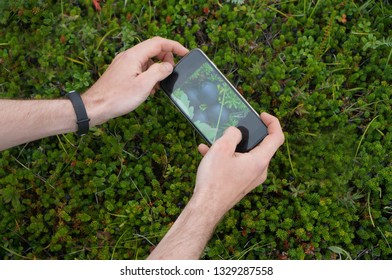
130, 79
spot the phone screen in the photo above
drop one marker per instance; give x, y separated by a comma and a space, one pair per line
210, 102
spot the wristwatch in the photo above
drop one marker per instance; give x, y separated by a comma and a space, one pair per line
80, 110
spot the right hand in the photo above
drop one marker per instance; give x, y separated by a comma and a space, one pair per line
224, 176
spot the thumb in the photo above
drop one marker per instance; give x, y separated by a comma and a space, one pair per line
229, 140
154, 74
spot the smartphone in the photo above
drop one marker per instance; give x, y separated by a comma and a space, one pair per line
210, 102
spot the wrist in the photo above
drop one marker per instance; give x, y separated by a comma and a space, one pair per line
189, 234
208, 210
95, 108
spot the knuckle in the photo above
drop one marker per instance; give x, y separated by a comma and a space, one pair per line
263, 177
282, 138
279, 139
261, 165
120, 54
128, 54
157, 38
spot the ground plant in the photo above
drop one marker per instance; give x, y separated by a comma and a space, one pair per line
323, 67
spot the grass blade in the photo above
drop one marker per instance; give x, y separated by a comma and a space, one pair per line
363, 136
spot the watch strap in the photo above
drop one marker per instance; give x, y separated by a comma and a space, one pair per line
80, 110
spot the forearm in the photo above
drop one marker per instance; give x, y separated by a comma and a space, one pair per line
22, 121
188, 236
128, 81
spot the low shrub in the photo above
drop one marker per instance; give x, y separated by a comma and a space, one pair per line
323, 67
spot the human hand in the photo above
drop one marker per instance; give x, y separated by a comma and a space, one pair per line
224, 177
130, 79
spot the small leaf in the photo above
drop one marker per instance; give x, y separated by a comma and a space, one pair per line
336, 249
183, 102
340, 251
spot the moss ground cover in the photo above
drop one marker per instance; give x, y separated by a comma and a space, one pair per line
323, 67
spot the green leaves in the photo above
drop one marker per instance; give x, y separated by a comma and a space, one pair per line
115, 191
340, 252
11, 195
183, 102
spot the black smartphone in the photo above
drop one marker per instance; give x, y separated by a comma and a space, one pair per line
210, 102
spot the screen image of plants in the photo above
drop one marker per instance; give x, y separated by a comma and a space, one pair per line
210, 102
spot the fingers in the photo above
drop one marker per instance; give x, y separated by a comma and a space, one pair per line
274, 127
167, 57
266, 149
275, 138
203, 149
154, 74
158, 46
147, 65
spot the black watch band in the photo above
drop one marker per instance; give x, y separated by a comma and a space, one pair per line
81, 115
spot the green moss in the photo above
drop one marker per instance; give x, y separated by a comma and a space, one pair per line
120, 187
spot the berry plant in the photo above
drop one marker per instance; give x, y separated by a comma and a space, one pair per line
322, 67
